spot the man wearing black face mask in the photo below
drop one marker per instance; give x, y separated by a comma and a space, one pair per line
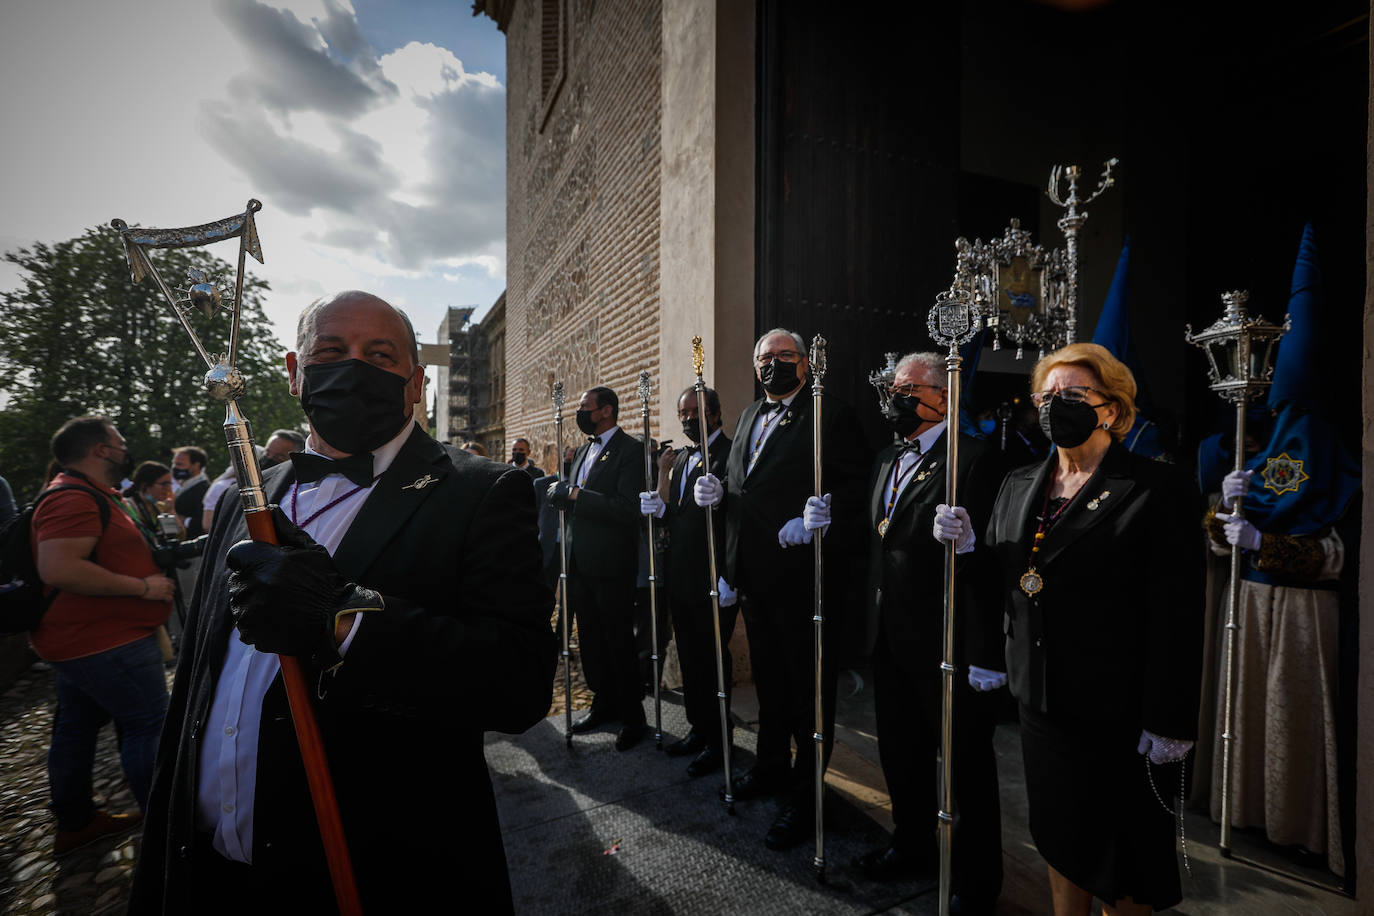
905, 639
190, 485
98, 633
520, 458
601, 499
689, 583
768, 495
407, 582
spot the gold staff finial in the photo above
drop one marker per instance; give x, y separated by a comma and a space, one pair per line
698, 356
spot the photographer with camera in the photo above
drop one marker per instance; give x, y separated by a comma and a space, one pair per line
149, 501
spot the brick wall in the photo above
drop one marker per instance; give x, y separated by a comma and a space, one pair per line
582, 212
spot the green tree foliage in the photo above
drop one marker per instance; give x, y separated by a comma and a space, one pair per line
80, 337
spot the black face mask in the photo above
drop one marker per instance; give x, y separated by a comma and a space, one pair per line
266, 462
517, 458
1067, 424
692, 430
779, 377
900, 414
584, 422
353, 405
125, 466
181, 473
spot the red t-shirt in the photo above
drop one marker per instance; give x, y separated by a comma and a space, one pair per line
79, 625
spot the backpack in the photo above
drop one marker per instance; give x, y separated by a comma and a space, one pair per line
22, 602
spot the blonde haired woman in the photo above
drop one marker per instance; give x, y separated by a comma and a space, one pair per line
1104, 587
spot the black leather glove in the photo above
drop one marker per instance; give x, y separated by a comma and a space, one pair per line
286, 598
558, 495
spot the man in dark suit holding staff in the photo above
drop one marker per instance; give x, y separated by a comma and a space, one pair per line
689, 580
905, 629
407, 585
601, 499
769, 485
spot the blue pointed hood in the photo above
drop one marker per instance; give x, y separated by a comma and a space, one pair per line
1299, 351
1113, 329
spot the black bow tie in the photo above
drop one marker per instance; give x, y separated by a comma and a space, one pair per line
593, 439
774, 405
357, 468
904, 445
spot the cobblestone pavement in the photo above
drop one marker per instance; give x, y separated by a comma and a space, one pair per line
91, 880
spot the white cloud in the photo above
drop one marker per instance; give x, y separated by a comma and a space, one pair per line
376, 172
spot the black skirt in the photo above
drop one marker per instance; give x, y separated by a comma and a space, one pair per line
1093, 815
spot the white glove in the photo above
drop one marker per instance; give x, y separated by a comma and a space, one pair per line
817, 513
953, 524
983, 680
650, 503
793, 534
728, 596
1162, 750
707, 491
1240, 532
1234, 484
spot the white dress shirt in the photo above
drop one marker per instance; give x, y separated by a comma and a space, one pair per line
227, 780
905, 467
594, 450
695, 460
764, 425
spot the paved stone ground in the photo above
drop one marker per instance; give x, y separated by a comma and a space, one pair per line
92, 880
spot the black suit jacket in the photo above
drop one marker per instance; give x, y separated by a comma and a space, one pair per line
1116, 633
758, 503
188, 505
604, 521
907, 567
689, 573
464, 645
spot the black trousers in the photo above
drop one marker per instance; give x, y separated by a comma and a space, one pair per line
908, 700
782, 651
604, 607
696, 653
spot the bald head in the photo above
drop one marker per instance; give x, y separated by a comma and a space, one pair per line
350, 301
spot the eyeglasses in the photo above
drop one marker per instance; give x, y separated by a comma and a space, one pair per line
787, 356
909, 391
1074, 394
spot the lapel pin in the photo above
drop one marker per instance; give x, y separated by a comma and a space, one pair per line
421, 483
1094, 503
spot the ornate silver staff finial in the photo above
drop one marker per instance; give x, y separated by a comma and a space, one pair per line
1073, 220
645, 388
1237, 370
817, 357
203, 295
953, 321
558, 397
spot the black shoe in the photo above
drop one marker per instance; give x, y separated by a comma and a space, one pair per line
708, 761
594, 719
629, 736
756, 782
891, 864
789, 828
971, 905
691, 744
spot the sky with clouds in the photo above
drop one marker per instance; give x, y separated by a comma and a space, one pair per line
372, 132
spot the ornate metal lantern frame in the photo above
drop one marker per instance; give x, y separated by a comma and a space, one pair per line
1019, 288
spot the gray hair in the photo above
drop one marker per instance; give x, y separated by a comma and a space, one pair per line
927, 362
310, 319
796, 338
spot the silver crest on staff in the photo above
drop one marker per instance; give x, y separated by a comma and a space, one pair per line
650, 484
225, 382
699, 364
1238, 371
558, 401
817, 359
952, 322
